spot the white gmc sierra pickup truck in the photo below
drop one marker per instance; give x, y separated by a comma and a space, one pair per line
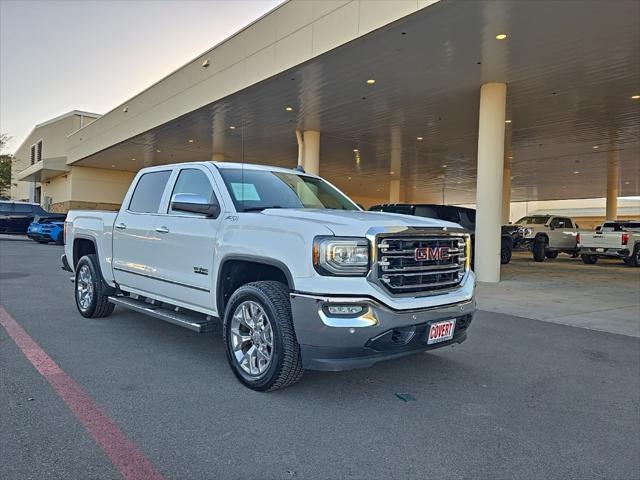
620, 239
299, 276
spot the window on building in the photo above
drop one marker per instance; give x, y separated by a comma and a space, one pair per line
32, 156
148, 193
39, 151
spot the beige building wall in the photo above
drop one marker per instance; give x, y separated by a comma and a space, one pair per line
53, 134
58, 189
87, 188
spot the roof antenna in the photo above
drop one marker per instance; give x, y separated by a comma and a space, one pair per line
242, 188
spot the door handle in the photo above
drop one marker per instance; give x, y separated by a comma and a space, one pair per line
162, 230
120, 226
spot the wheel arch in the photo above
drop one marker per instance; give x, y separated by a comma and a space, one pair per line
238, 270
83, 245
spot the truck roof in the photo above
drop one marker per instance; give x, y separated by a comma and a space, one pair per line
225, 165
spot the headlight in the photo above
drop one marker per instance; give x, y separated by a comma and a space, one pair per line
341, 256
468, 251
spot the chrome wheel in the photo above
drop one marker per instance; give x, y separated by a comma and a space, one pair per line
84, 287
251, 338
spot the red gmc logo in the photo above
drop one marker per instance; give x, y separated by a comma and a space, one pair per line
435, 253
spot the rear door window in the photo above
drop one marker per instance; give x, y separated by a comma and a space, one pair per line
426, 211
449, 214
148, 193
23, 208
5, 207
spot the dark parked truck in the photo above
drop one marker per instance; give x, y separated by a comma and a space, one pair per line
15, 217
299, 276
466, 217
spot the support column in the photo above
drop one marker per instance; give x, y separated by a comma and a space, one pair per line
613, 180
491, 127
218, 157
506, 191
310, 151
395, 184
395, 193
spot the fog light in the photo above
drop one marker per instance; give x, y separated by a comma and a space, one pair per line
344, 309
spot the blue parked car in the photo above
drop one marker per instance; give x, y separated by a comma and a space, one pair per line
45, 230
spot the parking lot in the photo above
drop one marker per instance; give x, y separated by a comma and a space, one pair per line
522, 398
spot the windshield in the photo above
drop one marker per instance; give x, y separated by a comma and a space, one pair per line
621, 227
259, 189
537, 220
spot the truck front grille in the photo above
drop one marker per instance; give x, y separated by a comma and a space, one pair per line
420, 263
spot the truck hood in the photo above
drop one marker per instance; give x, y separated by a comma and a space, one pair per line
355, 223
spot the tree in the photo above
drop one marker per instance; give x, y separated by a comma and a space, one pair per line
6, 162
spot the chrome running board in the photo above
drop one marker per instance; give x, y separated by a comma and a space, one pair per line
198, 322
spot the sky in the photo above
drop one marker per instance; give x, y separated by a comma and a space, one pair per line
58, 56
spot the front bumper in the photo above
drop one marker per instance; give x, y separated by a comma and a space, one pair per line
606, 252
39, 236
337, 342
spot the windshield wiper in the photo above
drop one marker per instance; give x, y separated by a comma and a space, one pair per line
258, 209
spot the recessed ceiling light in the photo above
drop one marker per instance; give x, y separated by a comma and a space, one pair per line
348, 178
289, 109
232, 127
158, 151
378, 190
392, 173
595, 147
510, 157
507, 121
444, 166
419, 139
190, 140
635, 97
113, 166
414, 187
501, 36
355, 150
371, 81
576, 172
626, 183
133, 159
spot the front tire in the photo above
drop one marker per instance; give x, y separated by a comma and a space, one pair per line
259, 337
551, 254
92, 295
538, 249
506, 252
589, 259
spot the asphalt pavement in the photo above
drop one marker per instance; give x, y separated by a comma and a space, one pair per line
520, 399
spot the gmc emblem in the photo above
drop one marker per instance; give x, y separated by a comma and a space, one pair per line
435, 253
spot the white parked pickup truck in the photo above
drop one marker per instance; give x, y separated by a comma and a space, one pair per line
619, 239
299, 276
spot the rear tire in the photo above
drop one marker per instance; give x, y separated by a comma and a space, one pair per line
60, 239
634, 260
506, 250
551, 254
539, 246
266, 326
589, 259
91, 293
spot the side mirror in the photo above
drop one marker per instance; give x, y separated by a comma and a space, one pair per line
193, 203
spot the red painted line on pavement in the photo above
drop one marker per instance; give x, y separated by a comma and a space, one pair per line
122, 452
